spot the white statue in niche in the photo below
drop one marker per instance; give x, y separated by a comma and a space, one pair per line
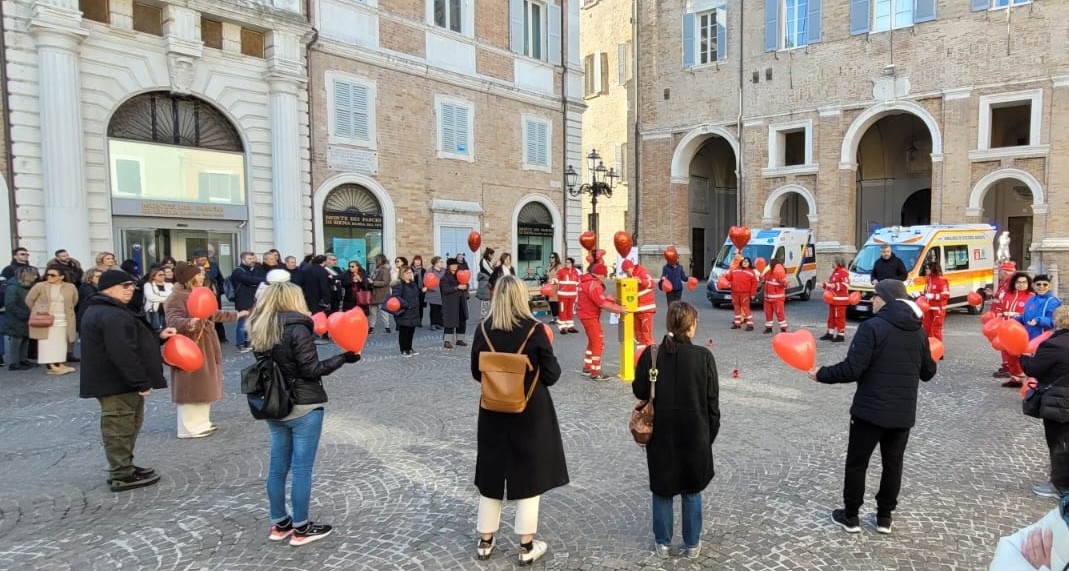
1003, 253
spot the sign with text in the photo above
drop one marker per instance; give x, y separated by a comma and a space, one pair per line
352, 220
174, 209
352, 160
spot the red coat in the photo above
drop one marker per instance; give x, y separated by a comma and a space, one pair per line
1000, 293
937, 292
743, 281
839, 286
646, 286
1013, 303
567, 283
592, 298
774, 288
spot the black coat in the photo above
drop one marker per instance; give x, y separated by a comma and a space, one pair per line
408, 295
120, 351
16, 324
350, 286
521, 453
888, 355
454, 301
1049, 364
317, 287
890, 269
246, 280
298, 359
686, 417
85, 291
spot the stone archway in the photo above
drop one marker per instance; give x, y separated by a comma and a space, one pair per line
860, 126
389, 215
691, 143
522, 206
771, 215
979, 190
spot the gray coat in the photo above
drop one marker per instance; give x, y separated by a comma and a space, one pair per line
434, 295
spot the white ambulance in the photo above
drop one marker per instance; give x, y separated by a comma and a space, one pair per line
965, 251
794, 246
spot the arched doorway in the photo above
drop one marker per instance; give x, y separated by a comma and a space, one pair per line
894, 166
794, 212
917, 209
176, 157
790, 206
1008, 202
353, 224
534, 239
713, 200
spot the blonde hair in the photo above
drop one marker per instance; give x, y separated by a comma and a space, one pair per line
265, 323
508, 308
1061, 317
100, 258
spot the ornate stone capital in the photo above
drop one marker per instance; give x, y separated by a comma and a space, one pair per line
181, 71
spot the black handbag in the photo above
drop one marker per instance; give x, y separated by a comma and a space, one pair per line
1033, 399
270, 394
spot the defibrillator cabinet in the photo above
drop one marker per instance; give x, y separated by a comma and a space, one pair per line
627, 296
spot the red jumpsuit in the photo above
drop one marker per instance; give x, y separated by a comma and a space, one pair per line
567, 292
996, 308
937, 292
775, 296
647, 307
839, 285
1012, 305
743, 289
591, 301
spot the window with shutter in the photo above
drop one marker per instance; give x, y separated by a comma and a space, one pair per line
603, 73
454, 130
351, 107
535, 143
891, 14
588, 75
622, 66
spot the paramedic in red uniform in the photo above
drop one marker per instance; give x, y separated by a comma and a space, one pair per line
743, 281
775, 295
937, 292
647, 305
592, 300
1012, 306
567, 280
839, 286
1005, 286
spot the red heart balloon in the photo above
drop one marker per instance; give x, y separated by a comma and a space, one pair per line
779, 273
937, 348
1013, 336
740, 236
666, 286
723, 284
797, 348
996, 343
922, 303
589, 259
855, 297
671, 255
987, 316
692, 283
549, 331
547, 290
319, 320
393, 304
348, 329
760, 264
1034, 344
588, 240
990, 329
464, 276
201, 303
181, 352
828, 296
975, 299
474, 241
430, 281
622, 241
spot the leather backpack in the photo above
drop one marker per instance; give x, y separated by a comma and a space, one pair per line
503, 377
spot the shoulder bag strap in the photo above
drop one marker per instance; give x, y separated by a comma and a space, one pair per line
538, 372
1048, 387
482, 326
654, 372
526, 339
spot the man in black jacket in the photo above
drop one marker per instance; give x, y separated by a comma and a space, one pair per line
121, 364
20, 258
888, 266
246, 278
888, 355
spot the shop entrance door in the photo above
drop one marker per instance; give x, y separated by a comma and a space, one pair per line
148, 246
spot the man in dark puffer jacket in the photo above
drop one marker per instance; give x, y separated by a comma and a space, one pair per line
888, 355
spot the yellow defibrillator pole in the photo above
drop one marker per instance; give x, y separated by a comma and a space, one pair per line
627, 296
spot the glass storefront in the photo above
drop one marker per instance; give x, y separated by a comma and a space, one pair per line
534, 239
149, 246
352, 224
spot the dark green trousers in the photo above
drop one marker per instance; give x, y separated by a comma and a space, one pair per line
120, 421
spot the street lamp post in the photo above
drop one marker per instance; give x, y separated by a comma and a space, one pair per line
601, 183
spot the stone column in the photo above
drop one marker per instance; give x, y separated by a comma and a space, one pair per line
286, 78
58, 35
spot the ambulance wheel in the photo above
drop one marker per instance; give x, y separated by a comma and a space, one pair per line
806, 293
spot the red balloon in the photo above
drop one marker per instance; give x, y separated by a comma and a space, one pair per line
464, 276
548, 290
431, 281
779, 273
692, 283
181, 352
740, 236
760, 264
589, 259
622, 241
201, 303
828, 296
855, 297
549, 331
937, 348
1034, 344
319, 321
474, 241
348, 329
735, 262
975, 299
393, 304
922, 302
1013, 336
996, 343
990, 329
671, 255
588, 240
723, 284
797, 348
1030, 383
666, 286
987, 316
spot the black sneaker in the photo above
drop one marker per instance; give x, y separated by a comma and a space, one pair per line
838, 339
768, 330
599, 377
749, 327
883, 524
133, 481
139, 471
308, 533
281, 530
461, 343
826, 337
736, 326
850, 524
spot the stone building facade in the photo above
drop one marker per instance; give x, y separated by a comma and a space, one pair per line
847, 116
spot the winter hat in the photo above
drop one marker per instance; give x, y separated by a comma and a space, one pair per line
890, 290
627, 266
184, 272
1008, 267
599, 269
452, 262
278, 276
1041, 278
112, 278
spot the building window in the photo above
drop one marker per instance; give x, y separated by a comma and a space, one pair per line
211, 33
790, 148
704, 37
1010, 120
1010, 125
448, 14
455, 130
96, 10
535, 143
252, 43
623, 66
128, 177
883, 15
888, 14
221, 187
596, 76
535, 29
996, 4
533, 25
352, 111
794, 22
148, 19
794, 147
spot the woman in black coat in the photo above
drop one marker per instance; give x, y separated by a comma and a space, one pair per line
407, 293
687, 418
521, 453
1050, 367
454, 305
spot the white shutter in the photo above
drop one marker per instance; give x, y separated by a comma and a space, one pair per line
597, 73
516, 25
530, 142
343, 102
621, 63
542, 144
360, 112
448, 131
460, 128
553, 37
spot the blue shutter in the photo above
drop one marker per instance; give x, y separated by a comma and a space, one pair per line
772, 25
721, 33
924, 11
978, 5
516, 25
688, 40
554, 34
860, 15
813, 21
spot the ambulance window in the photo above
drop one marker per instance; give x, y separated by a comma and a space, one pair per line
932, 255
779, 255
955, 257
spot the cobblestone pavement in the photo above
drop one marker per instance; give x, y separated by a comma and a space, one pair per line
398, 452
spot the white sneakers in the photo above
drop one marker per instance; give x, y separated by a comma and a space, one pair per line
538, 549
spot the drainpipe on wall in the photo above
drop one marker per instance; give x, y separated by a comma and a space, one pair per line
311, 110
740, 206
9, 177
564, 129
636, 165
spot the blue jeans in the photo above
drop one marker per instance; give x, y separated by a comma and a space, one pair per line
241, 336
293, 450
692, 519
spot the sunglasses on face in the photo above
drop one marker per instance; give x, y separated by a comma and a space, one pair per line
1041, 284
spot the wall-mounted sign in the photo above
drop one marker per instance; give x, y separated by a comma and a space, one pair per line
173, 209
534, 230
352, 160
352, 220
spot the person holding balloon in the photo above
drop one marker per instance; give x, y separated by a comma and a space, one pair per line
673, 274
743, 280
1038, 315
434, 294
567, 279
1006, 271
1012, 306
194, 313
890, 354
775, 284
454, 304
1049, 365
838, 285
936, 293
404, 302
647, 305
592, 300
